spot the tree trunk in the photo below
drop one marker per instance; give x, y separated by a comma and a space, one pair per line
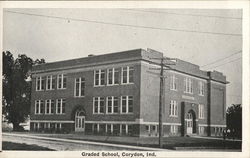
16, 126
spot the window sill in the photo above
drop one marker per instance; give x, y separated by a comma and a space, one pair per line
173, 116
174, 90
112, 113
39, 90
202, 95
129, 113
61, 88
112, 84
60, 114
50, 89
99, 85
79, 96
188, 93
127, 83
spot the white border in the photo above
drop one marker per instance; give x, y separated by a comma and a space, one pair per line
156, 4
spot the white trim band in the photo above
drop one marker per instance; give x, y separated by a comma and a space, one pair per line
205, 125
53, 121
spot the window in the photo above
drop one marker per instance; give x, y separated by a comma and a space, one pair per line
124, 129
201, 111
49, 107
154, 128
60, 106
188, 83
58, 125
127, 75
40, 83
109, 128
173, 84
99, 77
46, 125
116, 129
173, 110
173, 129
50, 83
201, 130
95, 128
98, 105
112, 105
113, 76
79, 87
201, 88
61, 81
126, 104
36, 126
39, 107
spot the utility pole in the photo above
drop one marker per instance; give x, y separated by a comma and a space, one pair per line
161, 100
162, 91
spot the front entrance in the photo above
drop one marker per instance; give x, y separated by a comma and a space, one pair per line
190, 122
79, 121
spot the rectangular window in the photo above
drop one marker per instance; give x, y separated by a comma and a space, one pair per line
173, 110
49, 107
124, 129
109, 104
127, 75
40, 83
99, 77
39, 107
201, 111
113, 76
127, 104
61, 81
173, 129
115, 105
201, 88
201, 130
188, 83
148, 128
50, 82
60, 106
112, 105
173, 82
79, 87
109, 128
98, 105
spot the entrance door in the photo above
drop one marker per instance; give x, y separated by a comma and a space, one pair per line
189, 123
79, 121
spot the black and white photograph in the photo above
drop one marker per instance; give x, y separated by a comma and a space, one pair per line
125, 80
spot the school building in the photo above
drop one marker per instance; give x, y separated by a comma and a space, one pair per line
118, 94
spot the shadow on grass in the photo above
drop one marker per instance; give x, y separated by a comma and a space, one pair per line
17, 146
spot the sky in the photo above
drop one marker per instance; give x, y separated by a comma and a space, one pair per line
207, 37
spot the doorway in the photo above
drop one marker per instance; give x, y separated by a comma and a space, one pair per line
190, 123
79, 121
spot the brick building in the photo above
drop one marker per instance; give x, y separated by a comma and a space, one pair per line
118, 94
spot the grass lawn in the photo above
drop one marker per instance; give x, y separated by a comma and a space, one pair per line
169, 142
17, 146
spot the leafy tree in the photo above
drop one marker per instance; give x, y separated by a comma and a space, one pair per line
17, 87
234, 119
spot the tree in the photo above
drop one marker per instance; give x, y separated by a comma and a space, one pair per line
17, 87
234, 119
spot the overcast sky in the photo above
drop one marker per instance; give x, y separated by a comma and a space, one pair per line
196, 35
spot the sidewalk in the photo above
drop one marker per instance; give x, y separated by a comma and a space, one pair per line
94, 145
216, 138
